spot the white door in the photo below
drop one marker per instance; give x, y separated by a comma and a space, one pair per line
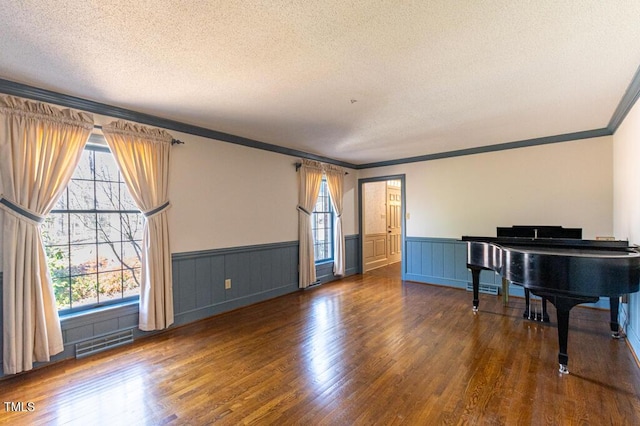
394, 224
374, 240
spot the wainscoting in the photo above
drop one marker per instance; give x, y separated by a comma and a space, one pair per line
443, 261
257, 273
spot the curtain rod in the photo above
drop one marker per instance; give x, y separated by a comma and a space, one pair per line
298, 165
173, 141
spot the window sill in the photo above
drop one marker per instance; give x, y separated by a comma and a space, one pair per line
103, 313
324, 262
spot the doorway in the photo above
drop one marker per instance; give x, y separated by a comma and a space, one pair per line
382, 222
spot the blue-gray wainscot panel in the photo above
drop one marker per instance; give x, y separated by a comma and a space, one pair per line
441, 261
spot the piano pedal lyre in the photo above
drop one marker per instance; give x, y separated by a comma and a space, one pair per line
540, 312
532, 313
536, 309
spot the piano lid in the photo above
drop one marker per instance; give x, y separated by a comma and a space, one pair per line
539, 231
545, 235
550, 242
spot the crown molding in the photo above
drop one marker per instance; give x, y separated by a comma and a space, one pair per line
626, 103
596, 133
18, 89
43, 95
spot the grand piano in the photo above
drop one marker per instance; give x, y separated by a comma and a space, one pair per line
564, 271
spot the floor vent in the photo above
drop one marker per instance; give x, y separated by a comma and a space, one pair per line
100, 344
314, 284
484, 288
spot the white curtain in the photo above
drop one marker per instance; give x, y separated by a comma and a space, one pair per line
335, 181
40, 147
142, 154
310, 179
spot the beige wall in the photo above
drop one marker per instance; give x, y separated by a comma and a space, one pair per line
568, 184
225, 195
626, 178
626, 202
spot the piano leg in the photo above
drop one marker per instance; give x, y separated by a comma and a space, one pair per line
563, 338
614, 306
563, 306
475, 274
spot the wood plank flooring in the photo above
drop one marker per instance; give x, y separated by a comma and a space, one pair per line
364, 350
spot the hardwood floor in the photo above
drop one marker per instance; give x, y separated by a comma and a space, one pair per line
365, 350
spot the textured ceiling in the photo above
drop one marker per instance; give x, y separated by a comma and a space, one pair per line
357, 81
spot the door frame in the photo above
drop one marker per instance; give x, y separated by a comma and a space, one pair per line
403, 199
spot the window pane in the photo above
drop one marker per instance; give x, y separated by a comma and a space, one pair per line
126, 199
108, 227
58, 261
85, 166
325, 203
132, 224
106, 168
83, 290
61, 204
322, 225
107, 197
110, 285
131, 282
82, 227
83, 259
81, 195
55, 229
61, 291
109, 256
131, 254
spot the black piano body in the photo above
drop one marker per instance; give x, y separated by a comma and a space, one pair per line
545, 231
565, 271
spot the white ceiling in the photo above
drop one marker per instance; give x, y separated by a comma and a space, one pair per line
356, 81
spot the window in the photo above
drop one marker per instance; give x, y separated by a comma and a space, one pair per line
93, 237
322, 225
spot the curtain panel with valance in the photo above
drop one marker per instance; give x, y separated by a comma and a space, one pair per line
142, 155
40, 147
